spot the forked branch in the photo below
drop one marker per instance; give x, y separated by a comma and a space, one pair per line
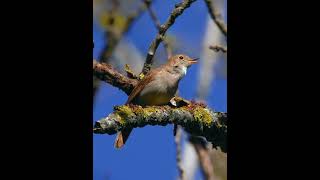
177, 11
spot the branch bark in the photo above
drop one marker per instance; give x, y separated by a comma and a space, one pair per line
216, 17
158, 26
195, 119
218, 48
204, 157
178, 10
113, 40
106, 73
177, 140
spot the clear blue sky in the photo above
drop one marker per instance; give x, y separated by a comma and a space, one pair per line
150, 151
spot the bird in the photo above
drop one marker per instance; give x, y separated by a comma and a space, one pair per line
157, 88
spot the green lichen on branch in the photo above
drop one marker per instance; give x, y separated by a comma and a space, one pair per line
123, 112
129, 72
194, 118
202, 115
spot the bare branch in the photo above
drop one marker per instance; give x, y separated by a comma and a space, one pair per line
114, 38
152, 14
177, 141
218, 48
216, 16
106, 73
114, 35
177, 11
204, 157
158, 26
196, 119
134, 16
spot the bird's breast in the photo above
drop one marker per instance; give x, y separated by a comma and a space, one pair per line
158, 92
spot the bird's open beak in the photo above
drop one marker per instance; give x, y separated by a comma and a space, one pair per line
193, 61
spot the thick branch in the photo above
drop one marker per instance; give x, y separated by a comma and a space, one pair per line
216, 16
106, 73
179, 9
195, 119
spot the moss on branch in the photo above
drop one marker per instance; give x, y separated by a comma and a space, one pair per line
194, 118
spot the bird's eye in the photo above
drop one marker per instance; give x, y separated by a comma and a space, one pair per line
180, 57
176, 66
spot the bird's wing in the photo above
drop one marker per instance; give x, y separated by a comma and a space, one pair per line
140, 86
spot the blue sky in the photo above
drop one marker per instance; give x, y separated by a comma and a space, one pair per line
150, 151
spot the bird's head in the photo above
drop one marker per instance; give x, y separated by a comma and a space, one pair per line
180, 63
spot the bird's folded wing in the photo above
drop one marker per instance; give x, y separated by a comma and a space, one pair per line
141, 85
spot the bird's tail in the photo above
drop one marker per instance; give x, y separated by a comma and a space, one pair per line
122, 137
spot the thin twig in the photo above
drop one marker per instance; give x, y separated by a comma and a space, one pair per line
177, 11
218, 48
130, 73
158, 26
216, 16
152, 13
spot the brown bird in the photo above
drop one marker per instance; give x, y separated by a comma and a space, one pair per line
157, 88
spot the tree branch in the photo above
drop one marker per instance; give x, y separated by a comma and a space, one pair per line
178, 10
114, 37
216, 17
204, 157
218, 48
106, 73
130, 73
195, 119
158, 26
177, 140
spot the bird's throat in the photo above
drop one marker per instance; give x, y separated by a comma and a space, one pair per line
184, 70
